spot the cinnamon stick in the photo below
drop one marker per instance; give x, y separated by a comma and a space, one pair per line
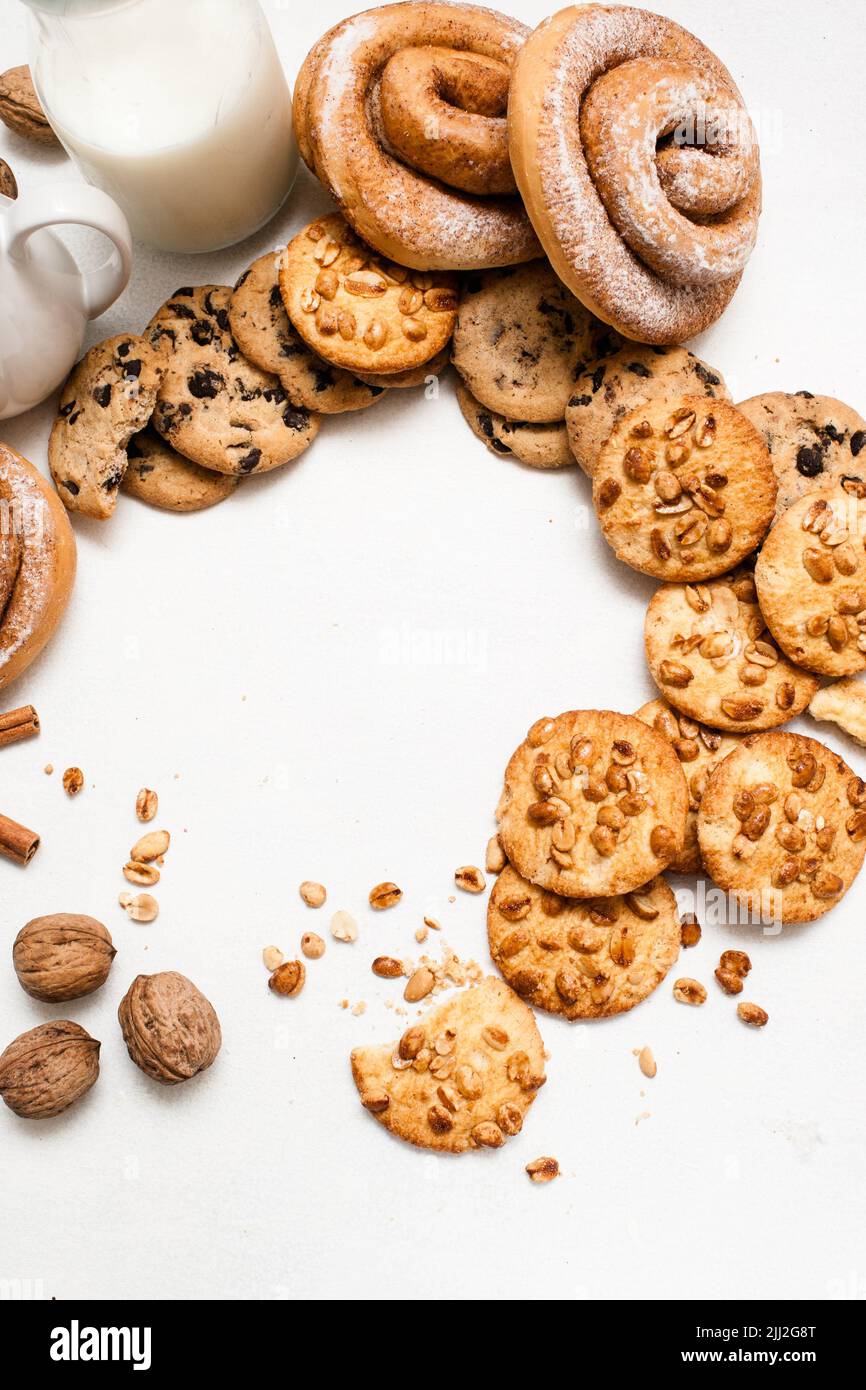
17, 724
16, 841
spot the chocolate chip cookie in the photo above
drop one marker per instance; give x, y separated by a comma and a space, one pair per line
811, 582
262, 331
712, 657
611, 387
214, 406
684, 488
461, 1078
594, 803
109, 397
813, 441
699, 749
522, 339
782, 826
359, 310
540, 446
586, 959
165, 479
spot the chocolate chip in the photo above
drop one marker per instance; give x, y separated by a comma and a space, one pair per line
222, 318
74, 417
132, 369
275, 394
858, 439
810, 460
102, 395
295, 419
113, 480
831, 432
205, 384
598, 378
67, 409
242, 279
249, 461
182, 311
322, 380
638, 369
500, 448
580, 400
201, 332
71, 487
123, 349
185, 290
807, 395
707, 377
485, 424
142, 469
275, 299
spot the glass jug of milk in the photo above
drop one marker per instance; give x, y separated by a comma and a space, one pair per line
177, 108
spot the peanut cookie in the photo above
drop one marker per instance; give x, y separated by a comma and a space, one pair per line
594, 803
610, 388
782, 826
262, 331
540, 446
684, 488
109, 397
461, 1078
699, 749
813, 441
357, 309
843, 703
521, 340
711, 656
214, 406
582, 959
811, 582
165, 479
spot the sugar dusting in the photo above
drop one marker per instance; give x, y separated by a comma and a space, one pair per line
24, 512
627, 291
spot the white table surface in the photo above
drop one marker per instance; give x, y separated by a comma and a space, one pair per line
324, 678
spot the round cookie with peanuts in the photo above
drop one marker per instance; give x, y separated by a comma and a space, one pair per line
683, 488
262, 331
213, 405
594, 803
699, 750
582, 959
359, 311
811, 582
611, 387
462, 1078
521, 339
782, 826
712, 657
813, 441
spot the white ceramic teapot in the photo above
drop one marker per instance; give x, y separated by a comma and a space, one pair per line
45, 300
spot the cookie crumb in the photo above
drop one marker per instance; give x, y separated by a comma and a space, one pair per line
421, 934
48, 769
359, 1008
644, 1115
543, 1170
433, 923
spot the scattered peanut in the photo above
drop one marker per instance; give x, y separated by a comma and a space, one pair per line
690, 929
343, 926
542, 1170
145, 875
151, 846
647, 1062
730, 981
753, 1013
687, 991
146, 804
272, 956
387, 967
73, 781
141, 908
494, 860
288, 978
470, 879
312, 946
419, 985
385, 895
313, 894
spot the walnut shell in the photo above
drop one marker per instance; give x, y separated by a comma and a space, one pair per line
47, 1069
171, 1031
7, 180
20, 109
62, 956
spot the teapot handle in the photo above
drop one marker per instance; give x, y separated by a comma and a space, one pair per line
84, 206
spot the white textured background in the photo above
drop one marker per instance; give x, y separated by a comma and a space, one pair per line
324, 678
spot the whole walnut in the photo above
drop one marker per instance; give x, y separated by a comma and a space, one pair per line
171, 1031
62, 956
48, 1069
